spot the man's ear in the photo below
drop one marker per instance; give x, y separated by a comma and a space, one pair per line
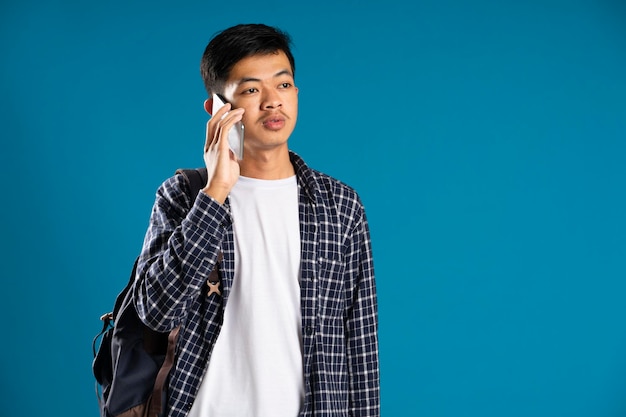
208, 105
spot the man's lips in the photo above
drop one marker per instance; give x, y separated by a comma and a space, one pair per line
274, 122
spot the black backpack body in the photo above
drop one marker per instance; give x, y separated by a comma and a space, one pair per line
132, 363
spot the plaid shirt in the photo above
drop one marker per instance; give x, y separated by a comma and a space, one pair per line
338, 293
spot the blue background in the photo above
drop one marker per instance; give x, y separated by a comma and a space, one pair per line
486, 138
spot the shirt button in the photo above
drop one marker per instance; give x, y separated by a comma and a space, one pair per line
309, 330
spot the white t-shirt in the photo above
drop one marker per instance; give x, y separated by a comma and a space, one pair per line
256, 365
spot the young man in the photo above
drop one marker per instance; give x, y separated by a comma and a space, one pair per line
291, 328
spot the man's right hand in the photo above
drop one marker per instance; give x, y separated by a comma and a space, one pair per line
221, 162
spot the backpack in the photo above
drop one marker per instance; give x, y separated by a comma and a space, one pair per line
132, 362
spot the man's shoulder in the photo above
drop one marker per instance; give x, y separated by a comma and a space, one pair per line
173, 185
331, 190
335, 186
176, 191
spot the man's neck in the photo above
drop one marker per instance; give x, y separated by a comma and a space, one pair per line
267, 165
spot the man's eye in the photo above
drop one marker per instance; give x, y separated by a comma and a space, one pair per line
285, 85
249, 91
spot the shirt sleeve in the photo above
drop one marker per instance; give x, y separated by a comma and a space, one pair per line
180, 248
362, 327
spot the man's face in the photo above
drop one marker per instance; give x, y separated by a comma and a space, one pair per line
263, 85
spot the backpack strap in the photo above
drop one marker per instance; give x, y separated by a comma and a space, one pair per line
156, 401
196, 179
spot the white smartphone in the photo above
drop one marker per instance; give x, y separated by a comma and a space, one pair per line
235, 136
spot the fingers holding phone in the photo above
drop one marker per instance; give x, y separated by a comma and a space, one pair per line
220, 160
221, 124
235, 134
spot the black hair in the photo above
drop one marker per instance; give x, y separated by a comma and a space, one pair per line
236, 43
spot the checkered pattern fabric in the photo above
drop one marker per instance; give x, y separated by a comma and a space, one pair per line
338, 292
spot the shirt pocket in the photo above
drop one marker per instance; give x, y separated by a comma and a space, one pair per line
331, 287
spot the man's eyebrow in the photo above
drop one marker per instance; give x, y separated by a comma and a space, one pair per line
278, 74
